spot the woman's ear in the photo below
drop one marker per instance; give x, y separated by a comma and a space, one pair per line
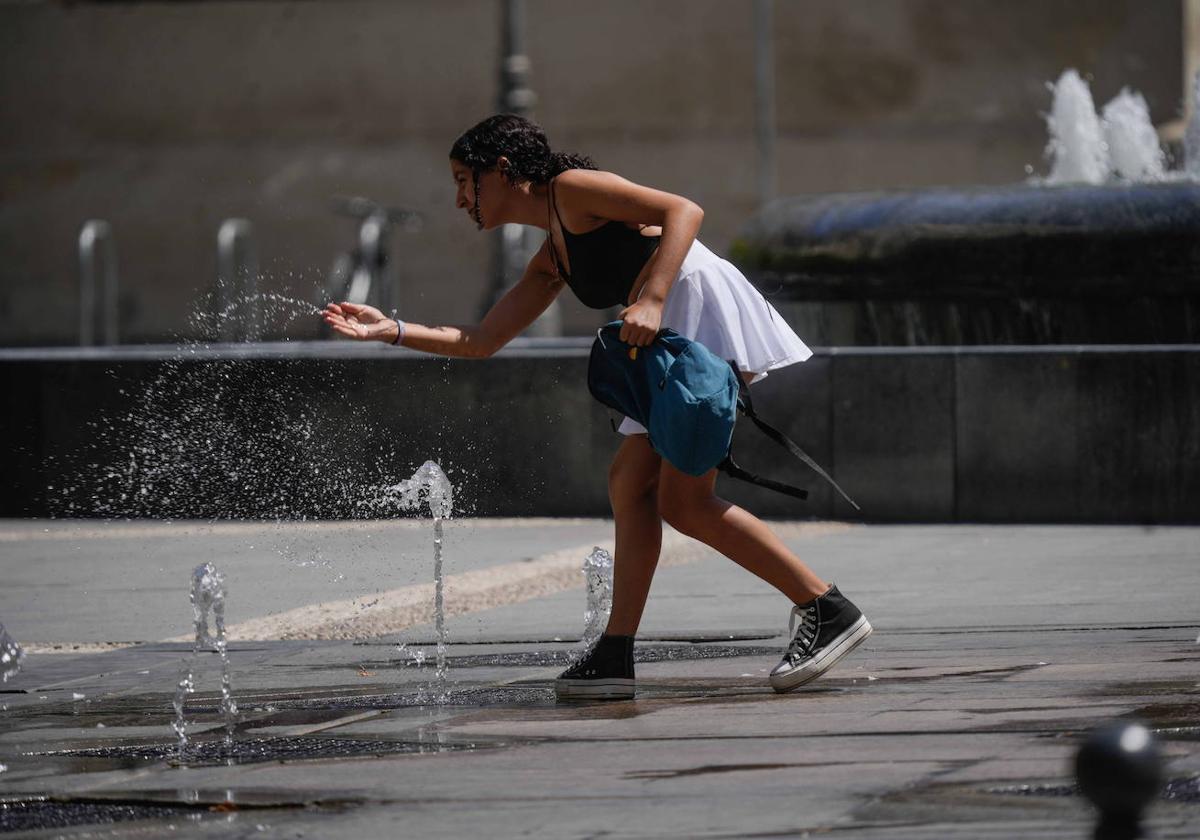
502, 164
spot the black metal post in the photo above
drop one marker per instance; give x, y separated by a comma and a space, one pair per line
515, 244
764, 99
97, 284
237, 315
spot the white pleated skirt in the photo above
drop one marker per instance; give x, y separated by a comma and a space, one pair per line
713, 303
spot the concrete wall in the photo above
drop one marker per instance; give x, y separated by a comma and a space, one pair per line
1050, 434
165, 118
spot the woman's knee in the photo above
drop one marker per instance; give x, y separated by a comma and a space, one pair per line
676, 512
633, 476
685, 509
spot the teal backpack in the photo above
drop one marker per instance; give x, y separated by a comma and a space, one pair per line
687, 399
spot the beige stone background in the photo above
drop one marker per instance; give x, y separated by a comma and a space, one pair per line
165, 118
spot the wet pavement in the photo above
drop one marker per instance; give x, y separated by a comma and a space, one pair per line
995, 650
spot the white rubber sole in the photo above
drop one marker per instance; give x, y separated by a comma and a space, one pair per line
616, 688
824, 660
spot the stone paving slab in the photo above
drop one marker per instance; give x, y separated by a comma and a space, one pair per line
713, 748
917, 735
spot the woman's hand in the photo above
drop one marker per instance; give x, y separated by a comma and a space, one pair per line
642, 321
365, 323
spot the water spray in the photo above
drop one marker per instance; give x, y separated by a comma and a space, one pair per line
598, 570
428, 486
11, 656
207, 596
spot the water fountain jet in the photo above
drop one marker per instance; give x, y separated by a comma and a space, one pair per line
1133, 147
1077, 149
207, 597
598, 570
11, 656
428, 486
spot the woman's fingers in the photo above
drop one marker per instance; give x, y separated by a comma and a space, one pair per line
637, 336
632, 332
341, 318
626, 332
365, 314
345, 326
348, 329
332, 315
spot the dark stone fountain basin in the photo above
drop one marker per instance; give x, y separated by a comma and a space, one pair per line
1008, 265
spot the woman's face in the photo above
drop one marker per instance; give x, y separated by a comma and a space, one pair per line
492, 190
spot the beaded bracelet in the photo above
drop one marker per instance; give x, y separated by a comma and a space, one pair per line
400, 329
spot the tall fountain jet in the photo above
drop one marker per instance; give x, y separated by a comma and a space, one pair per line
1077, 148
1121, 145
1133, 147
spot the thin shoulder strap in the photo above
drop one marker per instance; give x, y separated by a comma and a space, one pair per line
550, 202
554, 204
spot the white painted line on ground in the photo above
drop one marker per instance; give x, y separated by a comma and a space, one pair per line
22, 531
467, 592
75, 648
407, 606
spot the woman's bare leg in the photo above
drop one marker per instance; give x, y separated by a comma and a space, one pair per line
633, 490
688, 505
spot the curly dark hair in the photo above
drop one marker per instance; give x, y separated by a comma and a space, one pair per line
521, 141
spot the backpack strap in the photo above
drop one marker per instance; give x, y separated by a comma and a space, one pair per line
746, 405
731, 469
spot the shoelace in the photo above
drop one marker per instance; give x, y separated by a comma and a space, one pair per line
805, 637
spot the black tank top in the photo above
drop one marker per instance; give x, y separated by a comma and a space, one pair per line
605, 262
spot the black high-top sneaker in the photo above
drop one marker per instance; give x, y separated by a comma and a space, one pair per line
606, 673
830, 627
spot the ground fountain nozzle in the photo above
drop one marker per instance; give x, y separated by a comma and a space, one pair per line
11, 655
1120, 769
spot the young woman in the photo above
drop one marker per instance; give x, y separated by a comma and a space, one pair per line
613, 242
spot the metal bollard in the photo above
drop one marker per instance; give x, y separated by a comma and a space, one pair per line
369, 284
237, 282
1120, 769
97, 283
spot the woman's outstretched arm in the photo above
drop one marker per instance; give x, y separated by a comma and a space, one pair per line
520, 307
